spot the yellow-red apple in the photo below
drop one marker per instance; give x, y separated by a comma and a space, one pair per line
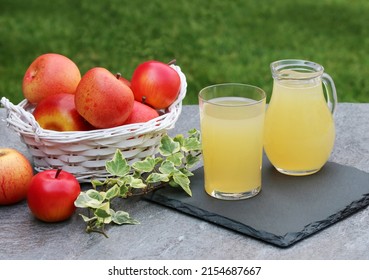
50, 74
155, 83
16, 173
102, 99
58, 112
141, 113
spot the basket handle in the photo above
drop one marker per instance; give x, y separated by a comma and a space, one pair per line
20, 113
183, 87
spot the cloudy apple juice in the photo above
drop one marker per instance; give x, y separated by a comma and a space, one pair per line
299, 129
232, 143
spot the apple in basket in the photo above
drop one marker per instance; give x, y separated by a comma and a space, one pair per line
156, 84
141, 113
16, 173
102, 99
123, 80
58, 112
50, 74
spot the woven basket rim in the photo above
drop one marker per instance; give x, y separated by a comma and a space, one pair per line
20, 117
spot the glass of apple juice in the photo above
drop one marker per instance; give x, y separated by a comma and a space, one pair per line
232, 123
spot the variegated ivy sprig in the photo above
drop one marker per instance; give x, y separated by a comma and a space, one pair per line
171, 167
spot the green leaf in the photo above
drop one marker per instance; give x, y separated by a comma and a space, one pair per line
146, 165
177, 155
103, 211
121, 217
85, 201
176, 158
94, 194
173, 184
186, 172
135, 183
193, 131
82, 200
96, 183
158, 160
168, 146
191, 144
112, 192
191, 160
88, 219
123, 190
118, 166
183, 181
167, 167
157, 177
106, 220
179, 138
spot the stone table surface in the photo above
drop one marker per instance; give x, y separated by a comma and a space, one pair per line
164, 233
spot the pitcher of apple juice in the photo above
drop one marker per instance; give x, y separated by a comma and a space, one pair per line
299, 126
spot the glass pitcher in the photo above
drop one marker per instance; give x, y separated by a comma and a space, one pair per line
299, 126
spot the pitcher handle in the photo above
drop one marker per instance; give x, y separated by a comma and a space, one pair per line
330, 90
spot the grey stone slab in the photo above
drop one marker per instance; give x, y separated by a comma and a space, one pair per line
287, 210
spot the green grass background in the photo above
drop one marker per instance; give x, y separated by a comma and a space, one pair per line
214, 41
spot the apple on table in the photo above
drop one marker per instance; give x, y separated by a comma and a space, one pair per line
51, 195
16, 173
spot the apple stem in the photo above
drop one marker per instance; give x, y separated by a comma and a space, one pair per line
173, 61
118, 75
144, 99
57, 173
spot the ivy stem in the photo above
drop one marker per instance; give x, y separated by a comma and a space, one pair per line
89, 230
147, 190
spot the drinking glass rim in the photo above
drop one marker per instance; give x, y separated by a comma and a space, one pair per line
254, 102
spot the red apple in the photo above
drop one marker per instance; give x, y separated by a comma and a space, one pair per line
102, 99
15, 175
156, 84
50, 74
141, 113
58, 112
123, 80
51, 195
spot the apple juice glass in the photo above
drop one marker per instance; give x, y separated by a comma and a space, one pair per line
231, 119
299, 124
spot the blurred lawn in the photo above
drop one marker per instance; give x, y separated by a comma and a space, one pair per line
214, 41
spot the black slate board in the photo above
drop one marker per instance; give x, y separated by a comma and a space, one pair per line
287, 210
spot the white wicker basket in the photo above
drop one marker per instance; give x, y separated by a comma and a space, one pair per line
84, 153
